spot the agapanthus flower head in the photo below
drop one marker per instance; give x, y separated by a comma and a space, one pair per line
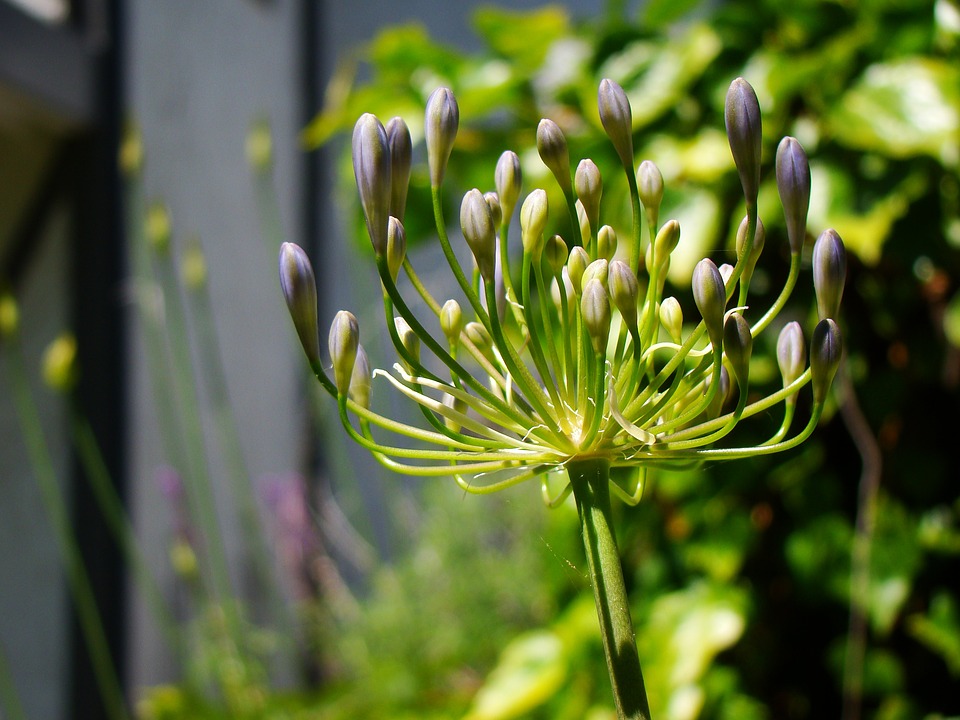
564, 351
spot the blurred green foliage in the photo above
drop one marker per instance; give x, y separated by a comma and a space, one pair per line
740, 574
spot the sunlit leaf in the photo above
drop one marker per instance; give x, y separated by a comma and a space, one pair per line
523, 37
939, 630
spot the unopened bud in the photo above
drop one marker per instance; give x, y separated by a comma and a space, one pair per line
595, 310
556, 253
650, 187
401, 159
157, 228
371, 168
617, 119
193, 267
726, 272
533, 221
742, 116
586, 230
131, 151
411, 345
826, 349
396, 247
737, 345
597, 270
624, 291
477, 334
508, 179
342, 342
496, 211
60, 363
829, 273
259, 146
9, 316
750, 255
711, 297
552, 146
793, 182
299, 288
441, 123
589, 187
451, 321
476, 221
723, 394
606, 242
360, 379
671, 316
666, 242
576, 265
791, 353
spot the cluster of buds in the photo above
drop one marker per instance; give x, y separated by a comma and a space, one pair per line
578, 355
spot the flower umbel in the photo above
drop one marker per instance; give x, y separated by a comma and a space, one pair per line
589, 360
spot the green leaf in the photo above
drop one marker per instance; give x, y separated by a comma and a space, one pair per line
657, 14
903, 108
523, 37
939, 630
951, 321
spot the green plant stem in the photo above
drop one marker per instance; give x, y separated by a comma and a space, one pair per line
10, 705
590, 480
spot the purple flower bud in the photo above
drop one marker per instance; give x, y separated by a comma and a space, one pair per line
479, 231
826, 350
791, 353
552, 146
617, 119
300, 292
401, 159
829, 273
793, 182
742, 116
440, 127
343, 341
396, 247
508, 179
624, 291
360, 379
737, 345
371, 167
711, 297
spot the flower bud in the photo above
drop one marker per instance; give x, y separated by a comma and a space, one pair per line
576, 265
723, 394
597, 270
479, 336
793, 182
726, 272
829, 273
606, 242
193, 267
157, 228
595, 310
711, 297
496, 211
564, 285
300, 292
650, 187
791, 353
666, 241
556, 252
617, 119
826, 349
671, 316
60, 363
737, 345
533, 220
441, 123
589, 187
624, 291
9, 316
130, 158
552, 146
410, 342
753, 252
396, 246
371, 168
742, 116
360, 379
401, 159
451, 321
343, 340
508, 179
586, 230
476, 221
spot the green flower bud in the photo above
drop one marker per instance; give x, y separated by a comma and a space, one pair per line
650, 187
624, 291
300, 292
60, 363
576, 265
496, 212
742, 116
411, 344
193, 267
617, 119
371, 168
476, 221
556, 253
477, 334
737, 345
396, 246
508, 179
606, 242
9, 316
589, 187
711, 297
360, 379
440, 127
401, 159
791, 353
157, 228
343, 340
259, 146
586, 231
671, 316
565, 285
666, 242
595, 310
826, 349
753, 252
552, 146
597, 270
451, 321
829, 273
793, 182
726, 272
130, 158
533, 220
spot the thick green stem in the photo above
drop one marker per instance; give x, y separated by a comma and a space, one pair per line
590, 480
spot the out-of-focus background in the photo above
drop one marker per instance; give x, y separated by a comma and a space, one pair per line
152, 155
